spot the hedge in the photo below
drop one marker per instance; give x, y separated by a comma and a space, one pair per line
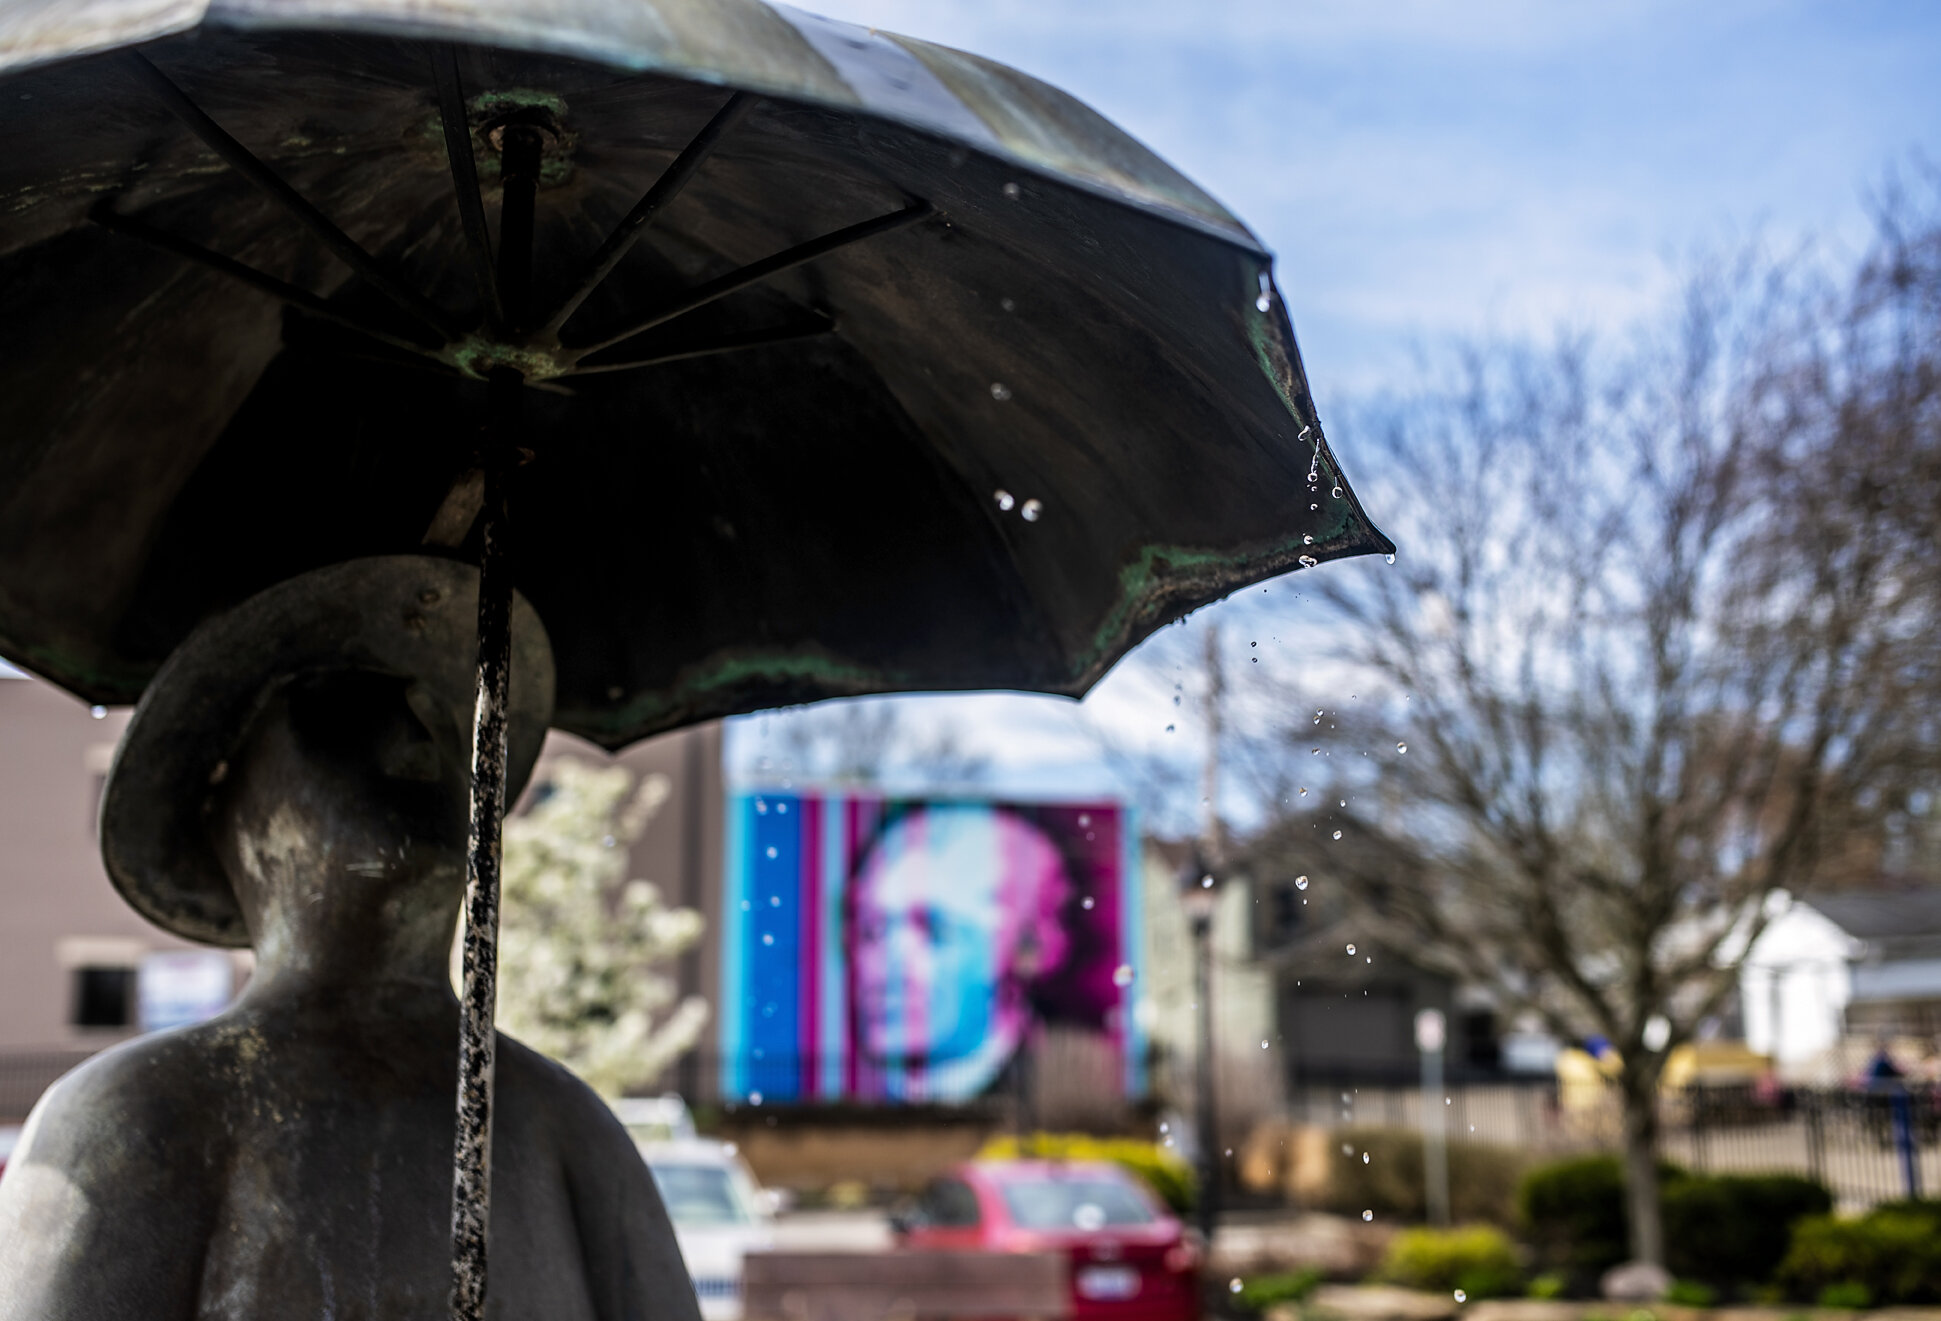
1890, 1255
1477, 1260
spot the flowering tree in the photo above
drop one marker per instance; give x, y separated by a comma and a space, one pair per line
584, 950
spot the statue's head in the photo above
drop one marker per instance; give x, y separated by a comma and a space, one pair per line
321, 729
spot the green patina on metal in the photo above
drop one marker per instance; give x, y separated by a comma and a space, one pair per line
477, 355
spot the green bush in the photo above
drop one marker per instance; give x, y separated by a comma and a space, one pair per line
1892, 1254
1482, 1177
1546, 1286
1850, 1295
1479, 1260
1733, 1229
1260, 1292
1164, 1172
1691, 1293
1722, 1230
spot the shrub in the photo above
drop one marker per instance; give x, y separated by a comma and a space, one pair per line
1163, 1171
1733, 1229
1480, 1260
1893, 1254
1546, 1286
1691, 1293
1572, 1212
1482, 1177
1849, 1295
1723, 1230
1260, 1292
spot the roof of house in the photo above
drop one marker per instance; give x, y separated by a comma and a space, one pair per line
1883, 914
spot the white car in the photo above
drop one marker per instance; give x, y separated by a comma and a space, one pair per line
720, 1215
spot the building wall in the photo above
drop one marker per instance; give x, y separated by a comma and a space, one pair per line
1794, 987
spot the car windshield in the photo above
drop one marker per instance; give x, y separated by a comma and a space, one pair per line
700, 1195
1048, 1203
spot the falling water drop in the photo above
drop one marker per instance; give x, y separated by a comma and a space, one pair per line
1300, 882
1233, 1285
1367, 1215
1337, 492
1005, 500
1308, 561
1401, 747
1391, 559
1461, 1297
1364, 1158
1011, 191
1030, 510
1122, 975
98, 712
1337, 834
1351, 949
1000, 391
771, 851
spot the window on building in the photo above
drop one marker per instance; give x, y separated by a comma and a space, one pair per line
104, 996
1283, 914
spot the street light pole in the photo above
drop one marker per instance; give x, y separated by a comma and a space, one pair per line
1209, 1138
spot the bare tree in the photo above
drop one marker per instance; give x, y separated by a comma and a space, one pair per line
865, 743
1659, 645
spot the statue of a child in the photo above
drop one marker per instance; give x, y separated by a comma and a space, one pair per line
296, 779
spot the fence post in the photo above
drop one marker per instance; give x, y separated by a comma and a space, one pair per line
1903, 1109
1815, 1136
1697, 1098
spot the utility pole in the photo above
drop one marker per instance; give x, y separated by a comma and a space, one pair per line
1201, 902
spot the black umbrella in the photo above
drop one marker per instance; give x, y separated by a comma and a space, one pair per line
808, 361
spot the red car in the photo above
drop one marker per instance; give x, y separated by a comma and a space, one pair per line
1131, 1259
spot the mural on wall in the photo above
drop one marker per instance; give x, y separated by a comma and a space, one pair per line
912, 950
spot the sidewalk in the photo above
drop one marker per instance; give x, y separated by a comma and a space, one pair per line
1386, 1303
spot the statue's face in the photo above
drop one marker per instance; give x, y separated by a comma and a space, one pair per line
353, 770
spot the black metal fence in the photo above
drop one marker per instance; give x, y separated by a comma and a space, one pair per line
1867, 1146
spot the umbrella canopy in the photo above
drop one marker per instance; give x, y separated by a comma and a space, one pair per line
947, 383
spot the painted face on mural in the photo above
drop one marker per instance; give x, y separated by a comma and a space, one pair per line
956, 914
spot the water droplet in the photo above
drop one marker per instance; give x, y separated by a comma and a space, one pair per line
1206, 882
1233, 1285
1122, 975
98, 712
1351, 949
1461, 1297
1175, 699
768, 938
1337, 834
754, 1098
1005, 500
1401, 747
1169, 729
1364, 1158
1314, 752
782, 808
1308, 561
1030, 510
607, 841
1086, 902
1084, 818
1391, 559
1300, 882
771, 851
1347, 1150
1263, 1044
1007, 304
761, 807
775, 901
1165, 1127
1256, 660
1263, 303
1304, 793
1011, 191
1367, 1215
1000, 391
1311, 508
1307, 540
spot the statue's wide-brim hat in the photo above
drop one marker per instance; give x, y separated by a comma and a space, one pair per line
925, 377
410, 616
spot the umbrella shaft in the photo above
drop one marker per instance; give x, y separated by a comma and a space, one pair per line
472, 1153
472, 1144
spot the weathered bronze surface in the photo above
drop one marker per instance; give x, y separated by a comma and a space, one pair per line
1041, 308
291, 1157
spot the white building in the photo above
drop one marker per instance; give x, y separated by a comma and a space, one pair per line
1834, 975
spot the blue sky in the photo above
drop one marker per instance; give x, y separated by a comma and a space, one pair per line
1431, 170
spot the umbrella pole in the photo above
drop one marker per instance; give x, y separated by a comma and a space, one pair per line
472, 1144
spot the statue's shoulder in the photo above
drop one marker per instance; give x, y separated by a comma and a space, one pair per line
159, 1092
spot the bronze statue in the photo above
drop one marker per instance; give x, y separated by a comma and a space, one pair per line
295, 779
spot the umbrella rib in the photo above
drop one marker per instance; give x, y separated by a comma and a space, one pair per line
755, 273
244, 162
104, 215
665, 189
465, 176
779, 335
